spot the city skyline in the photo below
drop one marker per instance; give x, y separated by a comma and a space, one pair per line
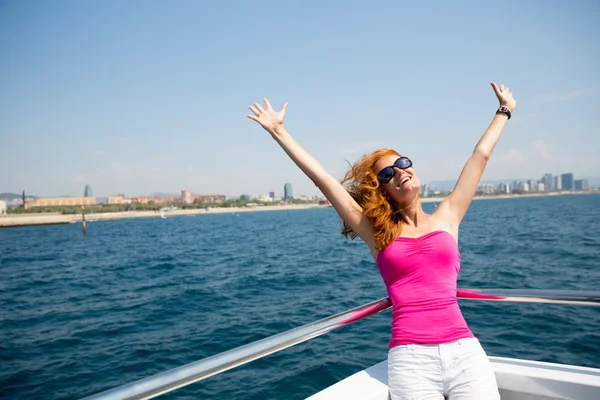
593, 183
163, 108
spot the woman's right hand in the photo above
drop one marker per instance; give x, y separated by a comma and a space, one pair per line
269, 119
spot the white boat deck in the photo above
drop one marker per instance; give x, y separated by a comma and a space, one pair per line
517, 380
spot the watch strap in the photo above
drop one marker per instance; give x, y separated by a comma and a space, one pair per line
504, 110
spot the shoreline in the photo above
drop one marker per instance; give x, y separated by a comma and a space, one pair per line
516, 196
15, 220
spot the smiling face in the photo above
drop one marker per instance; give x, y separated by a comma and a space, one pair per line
404, 185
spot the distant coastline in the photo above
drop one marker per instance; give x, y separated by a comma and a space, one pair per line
14, 220
515, 196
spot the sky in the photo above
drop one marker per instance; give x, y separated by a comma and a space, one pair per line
138, 97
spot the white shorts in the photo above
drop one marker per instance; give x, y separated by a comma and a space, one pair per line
458, 370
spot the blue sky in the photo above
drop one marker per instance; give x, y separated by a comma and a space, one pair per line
137, 97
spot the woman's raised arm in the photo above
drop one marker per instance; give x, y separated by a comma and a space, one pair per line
344, 204
455, 206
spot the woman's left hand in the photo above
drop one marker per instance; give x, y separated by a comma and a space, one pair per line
505, 96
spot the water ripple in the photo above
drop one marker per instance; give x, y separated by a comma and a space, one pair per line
136, 297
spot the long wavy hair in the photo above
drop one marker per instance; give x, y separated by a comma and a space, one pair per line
362, 184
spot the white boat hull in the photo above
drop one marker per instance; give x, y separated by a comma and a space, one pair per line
517, 380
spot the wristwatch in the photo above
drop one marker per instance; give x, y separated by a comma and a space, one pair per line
504, 110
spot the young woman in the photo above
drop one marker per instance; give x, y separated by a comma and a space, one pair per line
433, 354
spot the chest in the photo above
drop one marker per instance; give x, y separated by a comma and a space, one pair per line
431, 256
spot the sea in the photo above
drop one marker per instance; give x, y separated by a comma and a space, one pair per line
135, 297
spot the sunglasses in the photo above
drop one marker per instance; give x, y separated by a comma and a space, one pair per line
386, 174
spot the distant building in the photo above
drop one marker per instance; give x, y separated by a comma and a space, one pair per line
519, 186
504, 188
245, 197
272, 196
119, 199
582, 184
488, 188
88, 191
263, 198
425, 190
548, 181
288, 193
141, 199
557, 183
2, 207
60, 201
532, 185
186, 197
166, 199
210, 198
567, 181
541, 187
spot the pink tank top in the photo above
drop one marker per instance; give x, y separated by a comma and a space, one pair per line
420, 275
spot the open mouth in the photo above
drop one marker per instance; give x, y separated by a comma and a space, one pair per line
405, 180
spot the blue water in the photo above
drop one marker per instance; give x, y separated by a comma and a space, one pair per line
139, 296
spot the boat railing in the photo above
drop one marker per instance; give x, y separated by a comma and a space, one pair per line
170, 380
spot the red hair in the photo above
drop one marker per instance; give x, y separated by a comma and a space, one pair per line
362, 184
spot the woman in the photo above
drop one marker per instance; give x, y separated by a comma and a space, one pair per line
433, 354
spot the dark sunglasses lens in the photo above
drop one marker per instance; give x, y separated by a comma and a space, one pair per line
386, 174
403, 163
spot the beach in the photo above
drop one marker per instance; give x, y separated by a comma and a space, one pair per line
13, 220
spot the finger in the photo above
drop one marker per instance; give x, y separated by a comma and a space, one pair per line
502, 88
495, 87
267, 103
254, 110
284, 108
508, 90
252, 117
258, 107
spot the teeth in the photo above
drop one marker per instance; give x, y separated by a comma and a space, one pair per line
404, 181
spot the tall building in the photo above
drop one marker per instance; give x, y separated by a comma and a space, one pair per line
245, 197
288, 193
582, 184
88, 191
531, 184
186, 197
504, 188
425, 190
567, 181
272, 196
548, 181
557, 183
